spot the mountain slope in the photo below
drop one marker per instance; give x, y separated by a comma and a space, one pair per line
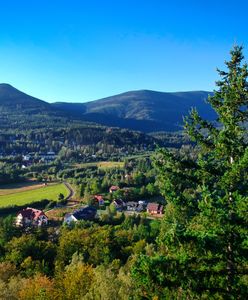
18, 109
143, 110
13, 99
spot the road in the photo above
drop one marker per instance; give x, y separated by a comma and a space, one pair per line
71, 191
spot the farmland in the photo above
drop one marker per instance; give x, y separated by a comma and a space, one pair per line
28, 194
110, 164
102, 165
19, 187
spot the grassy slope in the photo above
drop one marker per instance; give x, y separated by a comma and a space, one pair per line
15, 188
27, 197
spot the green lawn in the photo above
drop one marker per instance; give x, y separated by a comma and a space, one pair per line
27, 197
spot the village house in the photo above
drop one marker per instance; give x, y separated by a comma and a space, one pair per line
143, 202
119, 204
48, 157
84, 213
28, 159
154, 208
100, 200
135, 206
113, 188
140, 208
131, 205
31, 217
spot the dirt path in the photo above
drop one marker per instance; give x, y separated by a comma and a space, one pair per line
71, 191
68, 198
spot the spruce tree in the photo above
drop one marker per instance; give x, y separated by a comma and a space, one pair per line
203, 243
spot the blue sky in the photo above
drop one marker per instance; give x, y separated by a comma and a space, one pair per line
78, 51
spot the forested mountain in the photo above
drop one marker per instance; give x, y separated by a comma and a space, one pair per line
11, 98
19, 110
144, 110
28, 124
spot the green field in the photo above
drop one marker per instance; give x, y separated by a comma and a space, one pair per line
49, 192
101, 165
110, 164
137, 156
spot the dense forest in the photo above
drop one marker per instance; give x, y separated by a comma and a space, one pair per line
72, 137
74, 144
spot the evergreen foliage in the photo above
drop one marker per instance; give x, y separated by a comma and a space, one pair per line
203, 238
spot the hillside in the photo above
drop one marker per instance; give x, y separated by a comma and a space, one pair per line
10, 97
144, 110
18, 110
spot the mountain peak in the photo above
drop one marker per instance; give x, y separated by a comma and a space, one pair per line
10, 97
8, 86
8, 90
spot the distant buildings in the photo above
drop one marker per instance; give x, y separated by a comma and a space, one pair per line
31, 217
47, 157
134, 206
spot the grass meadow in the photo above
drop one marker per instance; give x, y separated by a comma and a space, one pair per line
102, 165
19, 195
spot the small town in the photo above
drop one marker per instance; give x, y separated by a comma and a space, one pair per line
28, 217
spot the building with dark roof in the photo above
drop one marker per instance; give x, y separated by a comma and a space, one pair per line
84, 213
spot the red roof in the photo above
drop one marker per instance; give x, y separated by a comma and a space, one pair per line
99, 197
114, 188
155, 207
31, 213
152, 206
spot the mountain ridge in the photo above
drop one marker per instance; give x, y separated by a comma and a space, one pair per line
146, 110
143, 110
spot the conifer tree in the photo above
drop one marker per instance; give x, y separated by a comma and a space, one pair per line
203, 243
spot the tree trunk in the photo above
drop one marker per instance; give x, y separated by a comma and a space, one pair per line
230, 255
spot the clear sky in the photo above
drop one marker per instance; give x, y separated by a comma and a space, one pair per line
77, 51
